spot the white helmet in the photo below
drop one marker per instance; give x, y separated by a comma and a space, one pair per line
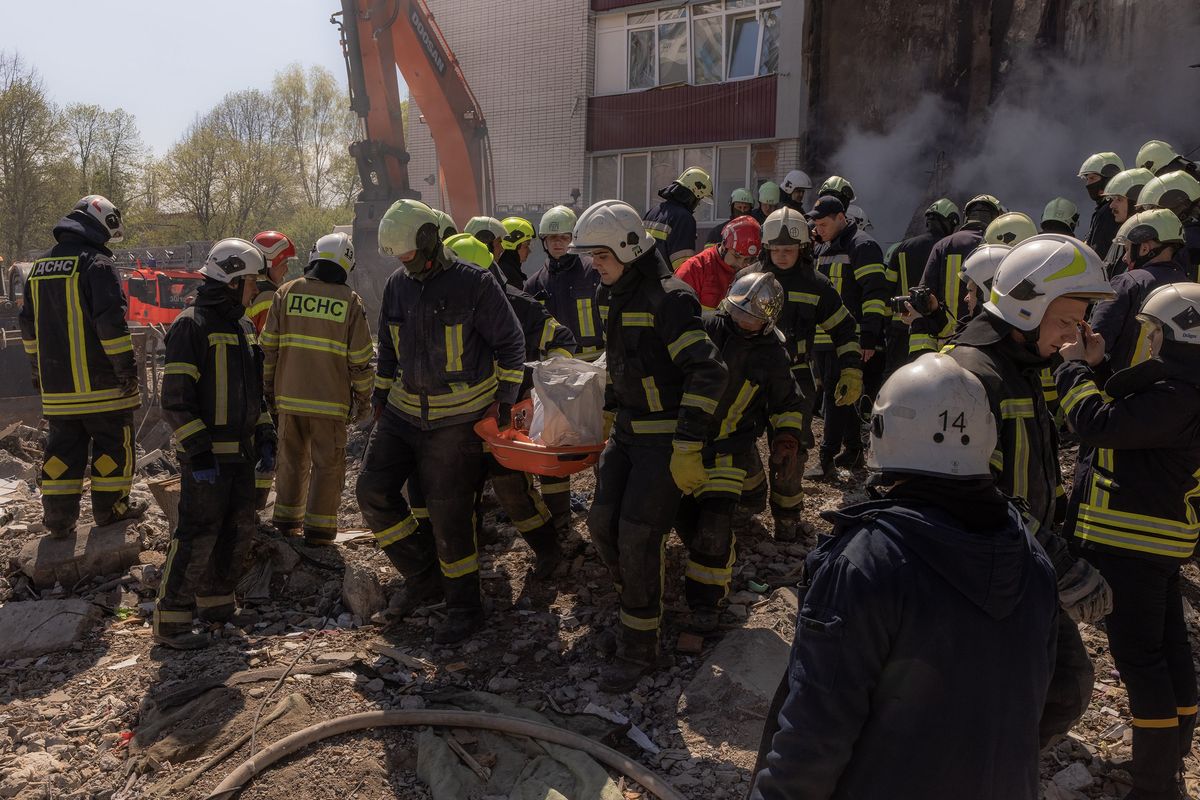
1176, 308
1061, 210
335, 247
230, 259
615, 226
478, 225
1155, 154
1176, 190
785, 226
1106, 164
104, 212
980, 267
856, 214
1040, 270
794, 180
1010, 229
932, 417
559, 219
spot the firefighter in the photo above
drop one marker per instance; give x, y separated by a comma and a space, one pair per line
446, 226
449, 347
212, 396
317, 378
1161, 158
1179, 192
811, 306
853, 263
760, 388
489, 231
710, 272
74, 331
839, 187
906, 262
566, 285
768, 201
942, 270
1038, 299
1123, 190
672, 222
530, 513
792, 189
741, 203
515, 245
855, 214
277, 250
1009, 229
1060, 216
1135, 517
1150, 239
666, 380
1096, 171
920, 604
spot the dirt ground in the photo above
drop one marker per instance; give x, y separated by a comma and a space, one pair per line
109, 717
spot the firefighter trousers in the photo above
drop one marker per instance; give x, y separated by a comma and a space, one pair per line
448, 464
556, 493
704, 522
310, 474
1149, 641
786, 485
523, 503
1070, 688
208, 549
842, 423
631, 516
106, 440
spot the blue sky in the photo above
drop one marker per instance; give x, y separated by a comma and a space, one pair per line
164, 61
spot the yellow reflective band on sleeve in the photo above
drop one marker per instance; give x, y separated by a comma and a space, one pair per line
461, 568
686, 340
383, 383
822, 338
653, 401
803, 297
268, 339
316, 343
583, 312
849, 347
996, 461
921, 342
1077, 393
258, 308
363, 384
733, 417
551, 486
836, 317
654, 426
874, 307
182, 368
637, 319
510, 375
30, 346
304, 406
869, 269
548, 329
117, 345
639, 623
705, 404
658, 230
263, 482
1169, 722
401, 530
454, 348
188, 429
1017, 408
263, 418
788, 419
711, 576
1186, 711
362, 355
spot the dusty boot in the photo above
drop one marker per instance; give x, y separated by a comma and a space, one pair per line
184, 640
418, 591
605, 643
623, 673
559, 506
126, 509
743, 518
704, 619
287, 528
794, 529
315, 538
458, 625
822, 470
851, 459
61, 533
546, 550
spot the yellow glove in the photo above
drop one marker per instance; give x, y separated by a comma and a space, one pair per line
687, 466
849, 387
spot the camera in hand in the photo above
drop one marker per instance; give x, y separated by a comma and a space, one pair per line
919, 297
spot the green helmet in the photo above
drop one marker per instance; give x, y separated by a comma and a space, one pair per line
559, 219
836, 184
517, 231
470, 249
1176, 190
1156, 154
403, 228
1157, 224
1010, 229
983, 209
446, 226
741, 196
1128, 184
1105, 164
945, 209
1061, 210
769, 193
696, 181
478, 225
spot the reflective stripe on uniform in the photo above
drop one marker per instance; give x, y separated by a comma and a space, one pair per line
653, 426
583, 311
117, 345
1077, 394
653, 400
637, 319
733, 416
215, 600
317, 343
299, 405
284, 513
803, 297
182, 368
461, 568
836, 317
454, 348
705, 404
394, 533
788, 420
686, 340
712, 576
62, 487
188, 429
63, 408
639, 623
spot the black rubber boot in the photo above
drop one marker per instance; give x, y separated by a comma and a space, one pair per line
822, 470
704, 620
546, 549
851, 459
458, 625
186, 640
127, 509
421, 590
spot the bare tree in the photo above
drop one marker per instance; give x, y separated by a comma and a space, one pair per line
190, 176
84, 123
318, 126
119, 156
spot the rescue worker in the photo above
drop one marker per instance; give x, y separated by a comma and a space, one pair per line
811, 306
317, 379
449, 347
446, 226
1095, 172
1060, 216
839, 187
212, 396
277, 249
1134, 518
906, 263
1179, 192
977, 273
1123, 190
741, 203
1161, 158
1038, 298
666, 381
1150, 239
74, 331
515, 245
853, 263
944, 267
760, 388
672, 222
792, 189
768, 201
489, 231
710, 272
1009, 229
920, 604
544, 337
566, 285
855, 214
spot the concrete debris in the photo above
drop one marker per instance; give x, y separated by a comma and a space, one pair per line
361, 593
29, 771
108, 550
1073, 777
29, 629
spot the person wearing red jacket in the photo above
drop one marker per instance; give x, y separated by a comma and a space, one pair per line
710, 272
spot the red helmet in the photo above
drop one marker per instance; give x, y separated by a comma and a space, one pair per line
276, 248
743, 236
